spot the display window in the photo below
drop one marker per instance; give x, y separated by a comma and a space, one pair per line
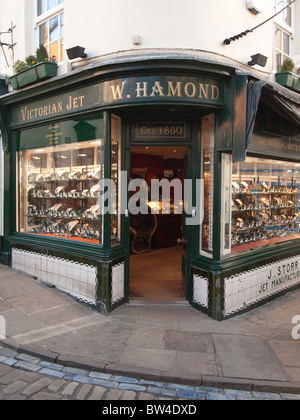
115, 175
58, 180
265, 203
208, 144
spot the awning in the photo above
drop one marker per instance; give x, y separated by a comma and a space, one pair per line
253, 97
284, 102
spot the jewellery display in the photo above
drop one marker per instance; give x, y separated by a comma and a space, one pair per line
61, 201
263, 212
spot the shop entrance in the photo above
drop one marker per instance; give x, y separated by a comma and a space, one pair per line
156, 240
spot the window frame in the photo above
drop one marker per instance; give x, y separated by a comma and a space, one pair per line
279, 21
211, 119
227, 196
44, 18
281, 51
52, 10
284, 28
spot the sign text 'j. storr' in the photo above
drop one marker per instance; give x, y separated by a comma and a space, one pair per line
132, 90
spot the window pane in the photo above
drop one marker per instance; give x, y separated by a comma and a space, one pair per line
208, 177
265, 203
278, 61
54, 29
42, 7
278, 39
44, 33
62, 21
61, 49
59, 187
51, 4
115, 170
287, 17
226, 204
54, 51
286, 43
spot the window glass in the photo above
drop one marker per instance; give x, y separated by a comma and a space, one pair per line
206, 237
51, 31
282, 47
115, 173
44, 6
265, 203
286, 43
51, 4
284, 17
44, 34
226, 204
59, 169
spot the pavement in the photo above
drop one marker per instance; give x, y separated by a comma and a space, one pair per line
170, 344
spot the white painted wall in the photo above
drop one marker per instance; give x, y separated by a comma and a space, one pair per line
105, 26
190, 24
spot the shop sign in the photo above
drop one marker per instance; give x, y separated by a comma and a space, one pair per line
132, 90
275, 135
276, 145
246, 289
161, 130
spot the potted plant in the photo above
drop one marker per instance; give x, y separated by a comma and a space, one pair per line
33, 69
286, 77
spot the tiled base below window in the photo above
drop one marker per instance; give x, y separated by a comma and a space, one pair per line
246, 289
79, 280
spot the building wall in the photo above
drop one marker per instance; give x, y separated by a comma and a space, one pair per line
108, 26
297, 34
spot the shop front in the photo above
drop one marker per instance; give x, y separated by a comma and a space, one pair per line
134, 181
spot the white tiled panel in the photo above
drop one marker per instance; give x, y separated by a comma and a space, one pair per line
250, 287
117, 282
79, 280
200, 291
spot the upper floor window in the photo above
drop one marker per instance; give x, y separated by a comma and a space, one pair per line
46, 5
286, 17
283, 32
50, 23
282, 47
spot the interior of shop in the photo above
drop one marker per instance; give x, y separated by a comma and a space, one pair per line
156, 239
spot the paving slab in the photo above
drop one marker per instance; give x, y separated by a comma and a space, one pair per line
247, 357
287, 351
148, 358
196, 363
16, 285
148, 337
17, 322
62, 313
188, 341
37, 301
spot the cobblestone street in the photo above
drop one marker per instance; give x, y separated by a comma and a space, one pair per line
25, 377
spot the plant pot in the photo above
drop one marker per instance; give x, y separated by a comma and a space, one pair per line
296, 85
34, 74
289, 80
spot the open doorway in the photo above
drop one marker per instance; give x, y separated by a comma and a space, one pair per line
156, 239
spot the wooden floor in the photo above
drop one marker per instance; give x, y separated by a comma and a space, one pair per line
156, 277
